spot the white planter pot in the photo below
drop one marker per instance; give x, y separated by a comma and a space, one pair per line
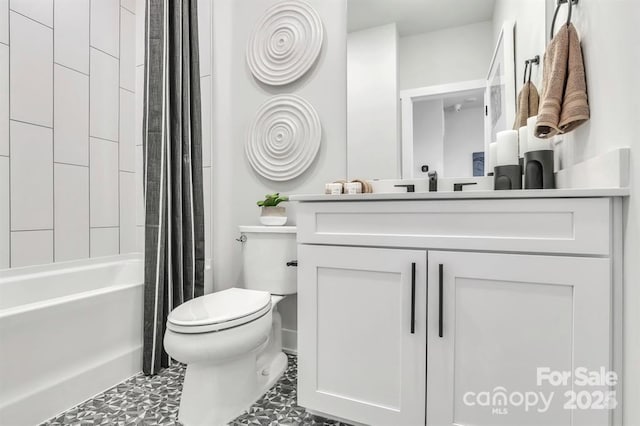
273, 216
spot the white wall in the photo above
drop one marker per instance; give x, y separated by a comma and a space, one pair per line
428, 134
610, 36
373, 103
237, 98
445, 56
529, 16
463, 135
67, 142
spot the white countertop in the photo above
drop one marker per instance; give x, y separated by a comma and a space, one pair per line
466, 195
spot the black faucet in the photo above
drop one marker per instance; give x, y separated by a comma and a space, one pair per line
457, 187
410, 188
433, 181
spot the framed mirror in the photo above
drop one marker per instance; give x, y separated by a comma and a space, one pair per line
500, 94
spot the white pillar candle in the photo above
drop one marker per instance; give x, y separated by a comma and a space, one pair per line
534, 143
522, 140
507, 148
493, 156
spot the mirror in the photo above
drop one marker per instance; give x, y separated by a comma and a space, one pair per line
443, 130
418, 73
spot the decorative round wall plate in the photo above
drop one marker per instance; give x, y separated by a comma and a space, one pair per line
284, 138
285, 42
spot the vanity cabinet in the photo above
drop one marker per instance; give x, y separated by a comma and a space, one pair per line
511, 286
363, 333
494, 319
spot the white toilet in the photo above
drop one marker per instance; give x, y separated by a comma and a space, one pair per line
231, 340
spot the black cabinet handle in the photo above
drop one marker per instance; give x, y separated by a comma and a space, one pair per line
292, 263
440, 298
413, 298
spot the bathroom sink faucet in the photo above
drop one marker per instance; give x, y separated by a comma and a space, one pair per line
410, 188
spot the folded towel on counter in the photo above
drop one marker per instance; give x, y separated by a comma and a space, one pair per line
528, 101
564, 105
367, 188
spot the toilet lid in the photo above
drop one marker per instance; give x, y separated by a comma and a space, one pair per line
220, 310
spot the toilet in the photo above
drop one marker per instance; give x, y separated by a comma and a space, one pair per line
231, 340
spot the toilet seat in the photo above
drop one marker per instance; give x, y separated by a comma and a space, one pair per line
219, 311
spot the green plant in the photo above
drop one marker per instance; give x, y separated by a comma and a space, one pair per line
272, 200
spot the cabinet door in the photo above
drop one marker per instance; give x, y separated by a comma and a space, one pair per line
361, 340
500, 318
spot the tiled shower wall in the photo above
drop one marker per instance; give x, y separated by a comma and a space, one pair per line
71, 76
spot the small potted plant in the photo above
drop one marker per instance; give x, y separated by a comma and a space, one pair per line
272, 214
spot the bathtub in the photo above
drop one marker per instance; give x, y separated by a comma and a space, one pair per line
68, 331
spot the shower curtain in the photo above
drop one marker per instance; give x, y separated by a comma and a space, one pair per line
174, 207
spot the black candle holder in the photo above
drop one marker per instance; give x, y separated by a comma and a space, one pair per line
538, 170
507, 177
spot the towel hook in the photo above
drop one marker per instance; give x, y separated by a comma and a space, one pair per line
555, 14
528, 64
524, 76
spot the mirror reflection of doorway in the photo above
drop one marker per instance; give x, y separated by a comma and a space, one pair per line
443, 130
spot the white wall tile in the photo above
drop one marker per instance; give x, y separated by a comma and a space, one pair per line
4, 100
127, 131
127, 49
205, 90
105, 18
104, 89
139, 103
71, 118
71, 39
128, 233
140, 29
4, 213
38, 10
31, 248
31, 177
31, 59
71, 189
104, 241
139, 187
206, 178
130, 5
4, 21
103, 183
204, 36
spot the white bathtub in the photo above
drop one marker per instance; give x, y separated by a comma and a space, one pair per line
67, 332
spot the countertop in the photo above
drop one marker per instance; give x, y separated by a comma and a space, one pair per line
468, 195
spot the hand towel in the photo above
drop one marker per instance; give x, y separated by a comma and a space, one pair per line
528, 101
564, 105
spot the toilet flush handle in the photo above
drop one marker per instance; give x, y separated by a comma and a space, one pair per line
242, 239
292, 263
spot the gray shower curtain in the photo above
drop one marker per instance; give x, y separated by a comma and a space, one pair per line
174, 207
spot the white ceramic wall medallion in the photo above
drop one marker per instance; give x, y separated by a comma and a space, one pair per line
284, 138
285, 42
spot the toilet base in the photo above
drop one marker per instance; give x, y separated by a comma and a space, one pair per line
214, 396
216, 393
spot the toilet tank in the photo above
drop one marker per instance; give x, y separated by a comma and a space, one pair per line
266, 250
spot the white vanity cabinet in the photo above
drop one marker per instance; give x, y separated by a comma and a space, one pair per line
512, 285
363, 312
494, 319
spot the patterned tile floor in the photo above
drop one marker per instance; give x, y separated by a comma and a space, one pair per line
143, 400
